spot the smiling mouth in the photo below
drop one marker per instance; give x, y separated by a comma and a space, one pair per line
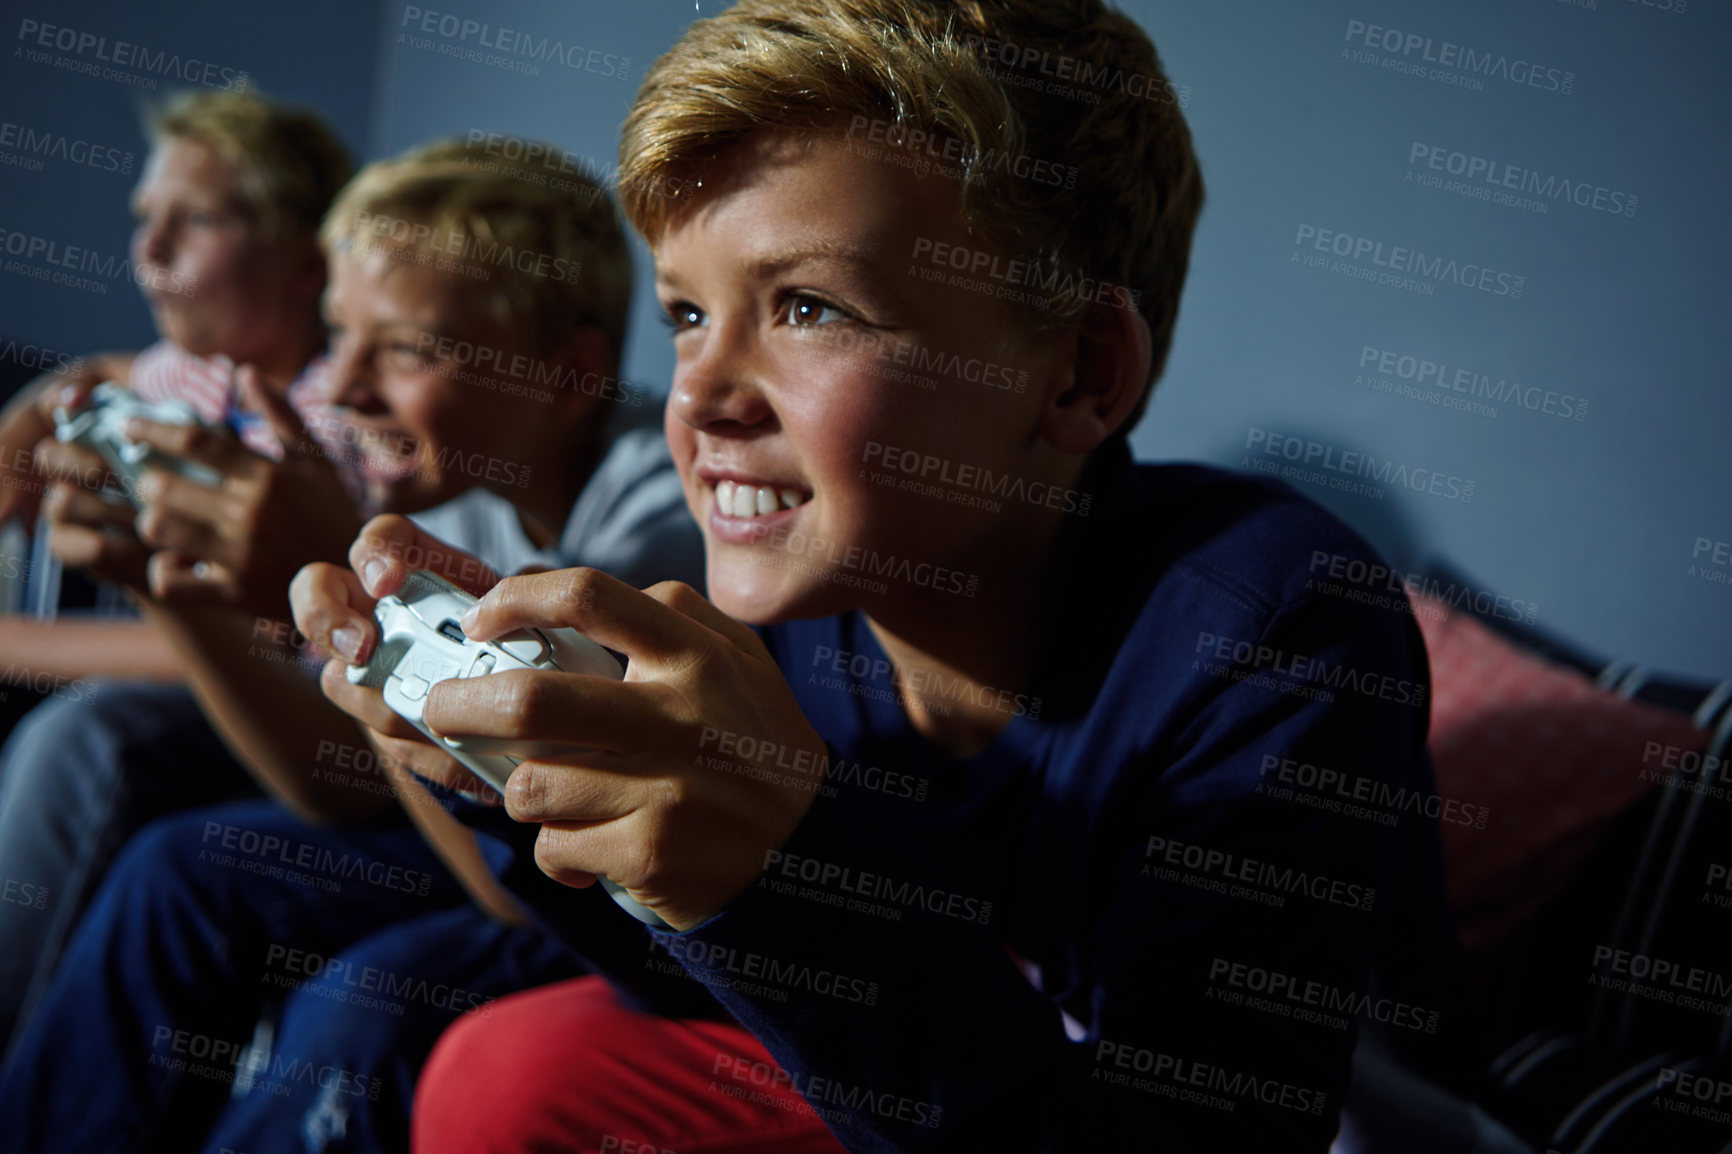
734, 499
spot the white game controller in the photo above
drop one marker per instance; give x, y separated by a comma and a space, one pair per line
100, 425
421, 644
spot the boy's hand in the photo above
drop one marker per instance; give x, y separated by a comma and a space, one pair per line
86, 528
28, 418
618, 779
334, 610
241, 542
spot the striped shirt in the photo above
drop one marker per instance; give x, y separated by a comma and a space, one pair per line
167, 372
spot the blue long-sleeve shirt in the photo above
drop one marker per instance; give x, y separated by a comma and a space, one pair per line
1153, 913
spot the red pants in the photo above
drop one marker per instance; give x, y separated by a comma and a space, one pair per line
567, 1068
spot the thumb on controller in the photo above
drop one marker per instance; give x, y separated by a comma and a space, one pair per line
286, 424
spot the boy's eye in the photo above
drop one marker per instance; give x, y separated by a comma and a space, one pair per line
681, 316
406, 356
808, 312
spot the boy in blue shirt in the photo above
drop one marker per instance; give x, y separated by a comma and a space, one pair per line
980, 715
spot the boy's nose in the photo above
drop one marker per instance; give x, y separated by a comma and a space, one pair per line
151, 243
348, 382
715, 394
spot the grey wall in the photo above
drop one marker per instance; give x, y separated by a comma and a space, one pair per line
427, 88
314, 52
1594, 520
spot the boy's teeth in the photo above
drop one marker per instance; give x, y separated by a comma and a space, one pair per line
737, 500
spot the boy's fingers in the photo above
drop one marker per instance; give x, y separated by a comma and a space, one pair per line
67, 391
562, 851
542, 791
332, 610
99, 550
402, 741
573, 853
602, 608
546, 710
381, 552
76, 545
682, 598
206, 444
364, 704
59, 461
66, 504
172, 493
183, 579
185, 515
424, 759
390, 547
290, 430
163, 530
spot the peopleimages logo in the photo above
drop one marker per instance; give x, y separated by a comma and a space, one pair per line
511, 49
1329, 464
1661, 979
101, 50
41, 358
1711, 561
1414, 54
1204, 1084
962, 483
53, 262
1308, 999
927, 151
1461, 388
1264, 882
371, 229
1248, 655
34, 145
1399, 260
1484, 178
978, 268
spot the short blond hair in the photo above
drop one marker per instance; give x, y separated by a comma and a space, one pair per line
976, 72
290, 162
548, 251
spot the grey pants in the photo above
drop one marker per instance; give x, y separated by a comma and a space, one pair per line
78, 776
1392, 1111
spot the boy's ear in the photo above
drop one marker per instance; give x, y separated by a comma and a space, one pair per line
1107, 374
583, 351
309, 271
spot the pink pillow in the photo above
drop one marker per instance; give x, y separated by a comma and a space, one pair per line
1548, 758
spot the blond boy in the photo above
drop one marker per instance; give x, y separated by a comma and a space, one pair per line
996, 767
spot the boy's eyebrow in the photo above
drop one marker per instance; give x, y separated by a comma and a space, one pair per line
388, 326
399, 327
835, 252
807, 252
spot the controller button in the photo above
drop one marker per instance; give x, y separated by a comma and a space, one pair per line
414, 688
526, 647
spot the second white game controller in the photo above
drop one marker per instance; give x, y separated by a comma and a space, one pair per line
100, 425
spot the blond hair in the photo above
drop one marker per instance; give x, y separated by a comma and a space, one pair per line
290, 163
974, 72
546, 247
